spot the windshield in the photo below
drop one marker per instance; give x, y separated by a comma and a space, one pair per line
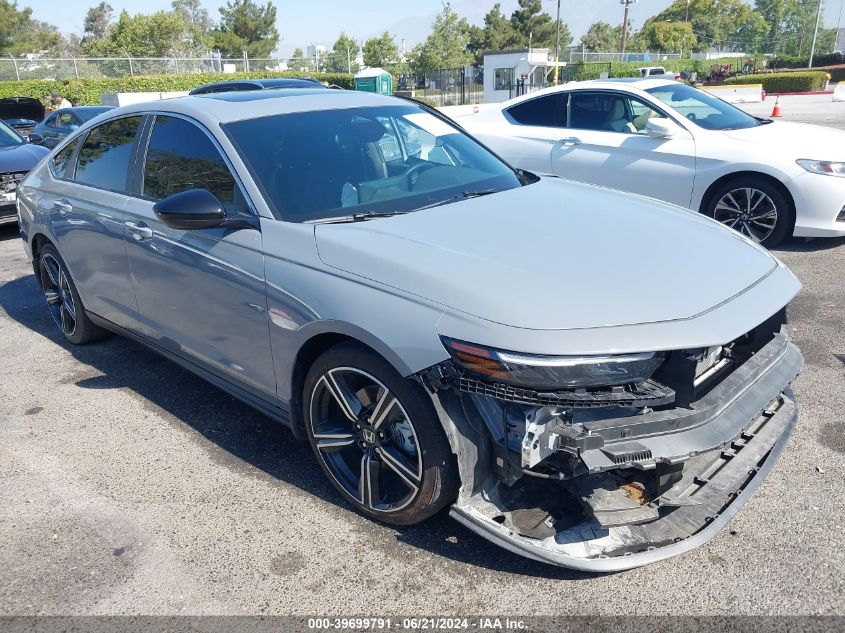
326, 164
8, 137
702, 108
86, 114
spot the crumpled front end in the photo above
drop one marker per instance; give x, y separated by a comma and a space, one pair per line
610, 479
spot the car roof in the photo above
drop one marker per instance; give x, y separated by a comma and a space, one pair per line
224, 107
633, 84
272, 82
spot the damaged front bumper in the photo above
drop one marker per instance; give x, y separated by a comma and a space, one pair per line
700, 463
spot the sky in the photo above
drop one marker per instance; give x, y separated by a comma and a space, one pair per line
302, 22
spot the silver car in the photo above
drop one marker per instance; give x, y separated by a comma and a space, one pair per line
585, 377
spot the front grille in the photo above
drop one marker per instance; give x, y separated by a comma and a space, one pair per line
9, 182
841, 216
646, 394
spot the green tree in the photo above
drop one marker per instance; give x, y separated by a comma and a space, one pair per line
790, 26
193, 12
446, 45
382, 52
341, 58
97, 21
20, 34
667, 37
497, 34
246, 25
160, 34
720, 24
602, 38
535, 26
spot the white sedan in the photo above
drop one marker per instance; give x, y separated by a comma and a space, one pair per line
664, 139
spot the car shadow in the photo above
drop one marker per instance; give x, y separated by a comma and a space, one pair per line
9, 232
251, 440
811, 245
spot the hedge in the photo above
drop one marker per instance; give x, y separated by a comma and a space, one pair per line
90, 91
774, 83
830, 59
837, 73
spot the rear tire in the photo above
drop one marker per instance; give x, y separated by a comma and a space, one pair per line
754, 207
377, 437
63, 300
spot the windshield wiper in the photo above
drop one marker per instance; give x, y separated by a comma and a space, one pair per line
369, 215
356, 217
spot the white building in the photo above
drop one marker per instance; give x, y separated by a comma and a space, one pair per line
504, 72
315, 52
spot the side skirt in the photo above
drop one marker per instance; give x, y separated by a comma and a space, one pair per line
272, 411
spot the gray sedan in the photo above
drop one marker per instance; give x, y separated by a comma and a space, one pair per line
585, 377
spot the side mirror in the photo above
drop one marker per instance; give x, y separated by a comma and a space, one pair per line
192, 209
660, 128
35, 138
72, 127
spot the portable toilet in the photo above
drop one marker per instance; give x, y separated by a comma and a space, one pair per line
375, 80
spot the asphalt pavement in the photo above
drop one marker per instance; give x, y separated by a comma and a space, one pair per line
129, 486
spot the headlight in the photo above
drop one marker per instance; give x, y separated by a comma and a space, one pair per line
823, 167
552, 372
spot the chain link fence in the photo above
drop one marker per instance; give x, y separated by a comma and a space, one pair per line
647, 56
19, 69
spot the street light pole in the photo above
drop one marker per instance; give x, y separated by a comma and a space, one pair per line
625, 24
815, 35
557, 43
686, 14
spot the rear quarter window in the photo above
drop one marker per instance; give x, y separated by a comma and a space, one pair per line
548, 111
61, 164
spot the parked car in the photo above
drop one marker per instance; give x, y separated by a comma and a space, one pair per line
657, 72
767, 179
17, 157
257, 84
62, 122
21, 113
586, 377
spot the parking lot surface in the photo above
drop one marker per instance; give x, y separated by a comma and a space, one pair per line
816, 109
129, 486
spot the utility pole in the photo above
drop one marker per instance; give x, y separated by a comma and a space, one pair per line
838, 26
557, 44
686, 14
815, 35
627, 3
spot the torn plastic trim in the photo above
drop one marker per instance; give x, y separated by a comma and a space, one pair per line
649, 393
717, 510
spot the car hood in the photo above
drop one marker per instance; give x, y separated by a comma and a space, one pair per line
19, 158
800, 140
553, 255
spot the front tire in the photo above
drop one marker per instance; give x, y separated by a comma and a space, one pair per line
63, 299
377, 437
754, 207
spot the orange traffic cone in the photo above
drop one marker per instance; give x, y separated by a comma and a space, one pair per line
776, 111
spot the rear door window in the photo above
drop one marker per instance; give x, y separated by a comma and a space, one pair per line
106, 154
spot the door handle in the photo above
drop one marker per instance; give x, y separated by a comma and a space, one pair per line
62, 206
139, 231
571, 140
